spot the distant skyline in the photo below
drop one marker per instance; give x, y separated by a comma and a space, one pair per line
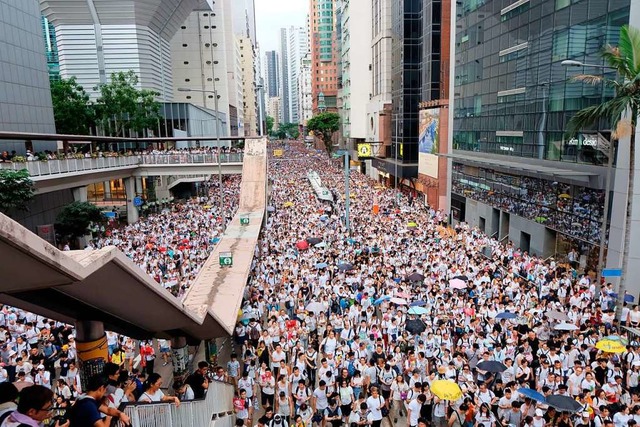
271, 15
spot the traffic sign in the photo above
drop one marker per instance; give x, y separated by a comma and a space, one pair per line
226, 259
612, 272
244, 220
138, 201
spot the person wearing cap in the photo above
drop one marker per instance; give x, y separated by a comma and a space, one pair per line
43, 377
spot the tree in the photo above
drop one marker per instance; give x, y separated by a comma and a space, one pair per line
16, 190
122, 106
288, 130
325, 124
621, 112
270, 123
74, 219
72, 110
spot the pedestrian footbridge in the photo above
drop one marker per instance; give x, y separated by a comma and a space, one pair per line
106, 286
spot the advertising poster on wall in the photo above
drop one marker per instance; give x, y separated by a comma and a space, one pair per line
429, 121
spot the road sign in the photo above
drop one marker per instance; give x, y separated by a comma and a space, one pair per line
137, 201
226, 259
612, 272
244, 220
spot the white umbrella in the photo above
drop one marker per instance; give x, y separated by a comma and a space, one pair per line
399, 301
315, 307
566, 327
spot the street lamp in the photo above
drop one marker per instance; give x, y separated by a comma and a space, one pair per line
572, 63
605, 218
215, 100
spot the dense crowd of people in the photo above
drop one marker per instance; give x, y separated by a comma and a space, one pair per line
356, 326
576, 213
401, 320
171, 246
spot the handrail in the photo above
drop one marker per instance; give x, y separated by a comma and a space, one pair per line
62, 166
216, 405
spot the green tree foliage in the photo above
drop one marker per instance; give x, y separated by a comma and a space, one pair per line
74, 219
324, 125
16, 190
72, 110
620, 112
122, 106
270, 122
288, 130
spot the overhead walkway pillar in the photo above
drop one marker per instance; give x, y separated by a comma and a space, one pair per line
92, 348
132, 210
179, 357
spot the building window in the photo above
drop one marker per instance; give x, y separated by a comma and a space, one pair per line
209, 79
186, 62
207, 45
187, 80
188, 96
210, 96
184, 27
184, 45
208, 62
206, 27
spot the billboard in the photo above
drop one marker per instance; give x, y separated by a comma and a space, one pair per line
428, 126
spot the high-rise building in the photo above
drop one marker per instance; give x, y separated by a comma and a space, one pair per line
25, 96
285, 90
304, 91
271, 73
274, 110
234, 66
51, 49
355, 72
199, 63
324, 73
298, 48
101, 37
515, 174
249, 96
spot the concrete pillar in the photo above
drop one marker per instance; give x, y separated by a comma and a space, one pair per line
107, 189
79, 194
179, 357
93, 352
132, 211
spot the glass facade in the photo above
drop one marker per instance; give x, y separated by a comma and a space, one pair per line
569, 209
512, 95
325, 30
406, 88
51, 49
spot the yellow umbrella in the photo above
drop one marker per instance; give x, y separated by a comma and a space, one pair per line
564, 196
412, 224
287, 204
611, 346
207, 206
446, 389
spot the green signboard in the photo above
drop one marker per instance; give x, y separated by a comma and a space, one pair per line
226, 259
244, 220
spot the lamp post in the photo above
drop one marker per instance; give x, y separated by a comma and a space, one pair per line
215, 98
607, 185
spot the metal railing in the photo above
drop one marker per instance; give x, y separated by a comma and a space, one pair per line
56, 167
215, 409
179, 159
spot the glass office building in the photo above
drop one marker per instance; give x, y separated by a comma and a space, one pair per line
516, 174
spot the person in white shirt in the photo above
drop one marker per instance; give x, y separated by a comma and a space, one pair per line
413, 409
43, 377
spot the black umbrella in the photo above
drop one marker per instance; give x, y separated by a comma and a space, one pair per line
462, 277
564, 403
491, 366
415, 326
345, 267
313, 240
415, 277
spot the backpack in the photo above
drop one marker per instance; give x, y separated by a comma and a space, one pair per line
254, 334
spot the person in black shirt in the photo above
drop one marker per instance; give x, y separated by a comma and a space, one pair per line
198, 380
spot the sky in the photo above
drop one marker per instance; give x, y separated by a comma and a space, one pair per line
271, 15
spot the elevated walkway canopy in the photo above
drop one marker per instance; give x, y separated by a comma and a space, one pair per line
105, 285
217, 292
